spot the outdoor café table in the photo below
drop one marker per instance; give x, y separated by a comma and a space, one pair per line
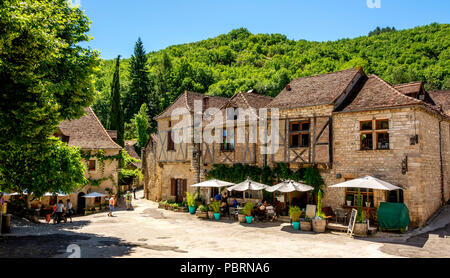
370, 211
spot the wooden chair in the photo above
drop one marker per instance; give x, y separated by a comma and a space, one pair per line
328, 211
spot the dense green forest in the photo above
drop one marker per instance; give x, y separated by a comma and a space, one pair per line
239, 61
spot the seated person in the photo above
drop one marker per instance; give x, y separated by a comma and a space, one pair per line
218, 197
235, 203
270, 212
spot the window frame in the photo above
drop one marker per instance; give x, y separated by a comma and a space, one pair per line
375, 131
300, 132
170, 142
90, 168
227, 146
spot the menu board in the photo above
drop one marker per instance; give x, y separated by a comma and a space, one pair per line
351, 223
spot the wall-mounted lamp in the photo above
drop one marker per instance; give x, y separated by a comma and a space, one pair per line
338, 176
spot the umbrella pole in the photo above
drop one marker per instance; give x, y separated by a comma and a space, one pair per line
289, 199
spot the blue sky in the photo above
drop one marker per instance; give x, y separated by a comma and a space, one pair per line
116, 24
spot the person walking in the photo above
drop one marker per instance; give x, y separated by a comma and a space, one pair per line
134, 191
69, 210
112, 203
59, 210
128, 200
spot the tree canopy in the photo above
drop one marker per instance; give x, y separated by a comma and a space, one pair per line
45, 78
240, 61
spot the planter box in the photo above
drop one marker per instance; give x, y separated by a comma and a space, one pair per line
202, 214
319, 225
360, 229
161, 206
305, 226
210, 214
241, 218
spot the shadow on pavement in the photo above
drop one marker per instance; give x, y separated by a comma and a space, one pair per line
56, 245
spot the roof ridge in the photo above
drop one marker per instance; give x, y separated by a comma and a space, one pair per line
103, 128
408, 83
320, 74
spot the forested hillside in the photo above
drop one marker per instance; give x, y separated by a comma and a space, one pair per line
239, 61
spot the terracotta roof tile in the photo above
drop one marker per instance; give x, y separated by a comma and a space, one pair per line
377, 93
442, 100
409, 88
186, 100
129, 148
87, 132
314, 90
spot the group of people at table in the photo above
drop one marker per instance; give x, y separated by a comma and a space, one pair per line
261, 210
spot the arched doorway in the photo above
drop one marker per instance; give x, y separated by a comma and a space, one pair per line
81, 203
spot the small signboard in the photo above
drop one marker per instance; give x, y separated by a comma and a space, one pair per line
351, 223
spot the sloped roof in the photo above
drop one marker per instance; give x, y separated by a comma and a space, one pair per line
129, 148
314, 90
248, 99
409, 88
186, 100
87, 132
442, 100
377, 93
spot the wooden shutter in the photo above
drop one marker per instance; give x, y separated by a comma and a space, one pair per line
184, 187
170, 143
173, 187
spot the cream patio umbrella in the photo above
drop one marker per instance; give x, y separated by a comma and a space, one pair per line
367, 182
289, 186
213, 183
247, 185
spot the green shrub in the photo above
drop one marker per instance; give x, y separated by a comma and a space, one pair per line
190, 199
360, 215
295, 213
248, 209
215, 206
319, 212
202, 208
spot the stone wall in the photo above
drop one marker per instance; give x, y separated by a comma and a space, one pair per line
421, 182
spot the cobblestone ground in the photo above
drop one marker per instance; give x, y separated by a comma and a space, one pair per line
151, 232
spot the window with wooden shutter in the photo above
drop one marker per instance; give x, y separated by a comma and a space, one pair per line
170, 143
173, 187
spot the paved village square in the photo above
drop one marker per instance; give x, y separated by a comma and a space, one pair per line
154, 233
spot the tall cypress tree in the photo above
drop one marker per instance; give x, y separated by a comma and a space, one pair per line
115, 118
139, 92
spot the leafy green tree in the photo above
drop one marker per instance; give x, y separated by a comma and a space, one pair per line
115, 120
142, 125
45, 77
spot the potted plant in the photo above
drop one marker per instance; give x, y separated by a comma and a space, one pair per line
202, 212
241, 216
319, 222
361, 228
305, 224
161, 205
210, 212
247, 211
190, 199
175, 207
294, 213
215, 206
349, 200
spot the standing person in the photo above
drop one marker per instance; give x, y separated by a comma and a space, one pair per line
128, 200
112, 203
134, 191
69, 210
59, 210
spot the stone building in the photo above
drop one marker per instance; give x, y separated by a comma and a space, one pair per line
345, 123
90, 136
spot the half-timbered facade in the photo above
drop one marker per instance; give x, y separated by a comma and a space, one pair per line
345, 123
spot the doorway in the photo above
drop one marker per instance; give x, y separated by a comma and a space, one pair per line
81, 203
178, 188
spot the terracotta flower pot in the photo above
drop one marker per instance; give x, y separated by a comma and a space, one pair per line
319, 225
211, 214
305, 226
